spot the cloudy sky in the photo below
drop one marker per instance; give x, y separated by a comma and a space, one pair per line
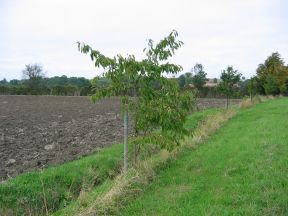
216, 33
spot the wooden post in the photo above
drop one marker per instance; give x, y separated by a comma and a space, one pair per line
125, 141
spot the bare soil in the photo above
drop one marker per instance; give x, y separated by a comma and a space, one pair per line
36, 131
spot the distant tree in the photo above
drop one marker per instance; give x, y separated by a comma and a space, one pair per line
199, 79
189, 78
33, 75
33, 71
182, 81
274, 66
252, 86
58, 90
3, 82
85, 90
15, 82
99, 83
229, 78
271, 85
185, 80
63, 80
242, 87
58, 81
78, 81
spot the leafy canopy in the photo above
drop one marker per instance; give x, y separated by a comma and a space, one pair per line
127, 73
270, 85
156, 102
229, 78
274, 66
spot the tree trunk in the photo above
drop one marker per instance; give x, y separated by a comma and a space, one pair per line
125, 141
227, 101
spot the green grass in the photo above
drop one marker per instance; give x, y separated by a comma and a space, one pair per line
81, 203
62, 184
193, 120
240, 170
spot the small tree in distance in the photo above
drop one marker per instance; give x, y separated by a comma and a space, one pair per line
185, 80
3, 82
199, 78
229, 78
33, 73
252, 87
182, 81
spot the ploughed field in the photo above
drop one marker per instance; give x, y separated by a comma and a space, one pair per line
36, 131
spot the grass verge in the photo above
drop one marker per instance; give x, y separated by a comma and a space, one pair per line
241, 170
41, 192
111, 199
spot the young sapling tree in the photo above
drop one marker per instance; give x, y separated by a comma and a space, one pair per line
229, 78
252, 87
144, 90
199, 78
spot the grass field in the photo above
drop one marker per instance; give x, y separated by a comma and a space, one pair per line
241, 170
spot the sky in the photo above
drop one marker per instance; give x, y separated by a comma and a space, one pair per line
216, 33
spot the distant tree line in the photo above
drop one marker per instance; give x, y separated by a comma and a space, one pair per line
271, 79
35, 83
230, 83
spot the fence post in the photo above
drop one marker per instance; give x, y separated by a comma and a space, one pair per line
125, 141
